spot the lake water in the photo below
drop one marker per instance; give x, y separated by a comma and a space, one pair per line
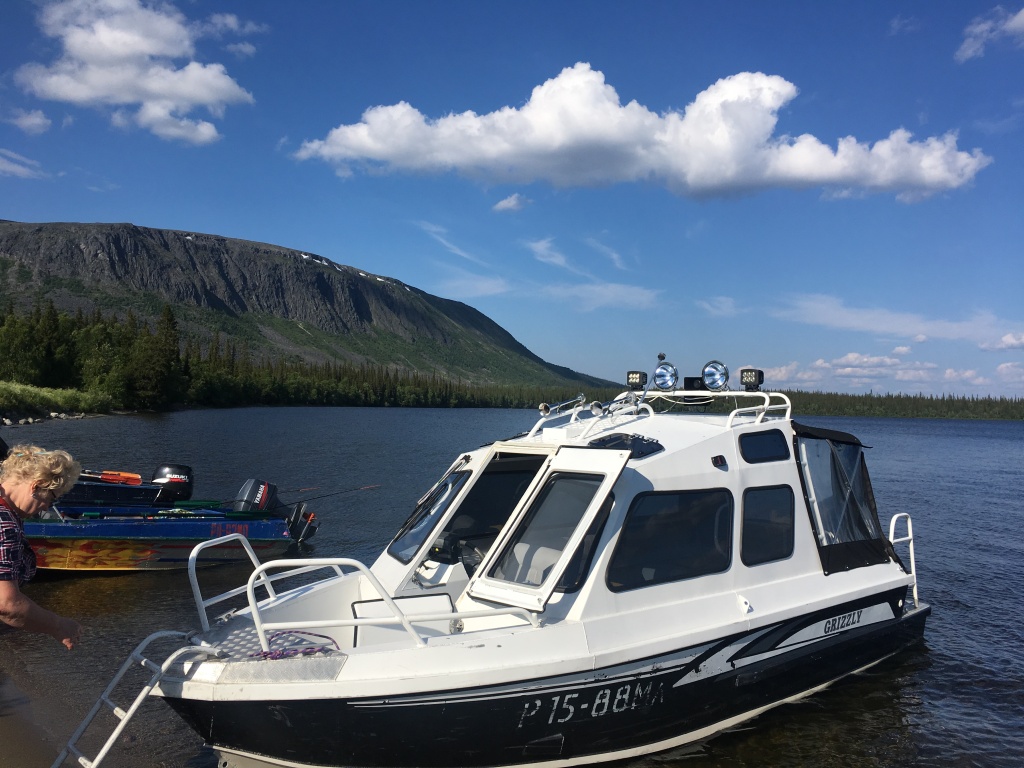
956, 701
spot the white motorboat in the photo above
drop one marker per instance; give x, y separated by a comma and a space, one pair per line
622, 579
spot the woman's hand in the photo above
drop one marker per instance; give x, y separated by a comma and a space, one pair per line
68, 632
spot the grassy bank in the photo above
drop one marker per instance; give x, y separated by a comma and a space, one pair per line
20, 401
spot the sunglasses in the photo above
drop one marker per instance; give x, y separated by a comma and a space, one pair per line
47, 498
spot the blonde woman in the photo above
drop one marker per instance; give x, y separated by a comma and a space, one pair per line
31, 480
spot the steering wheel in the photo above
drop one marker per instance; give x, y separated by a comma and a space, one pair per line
470, 556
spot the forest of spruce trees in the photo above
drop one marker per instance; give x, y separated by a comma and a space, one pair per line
103, 363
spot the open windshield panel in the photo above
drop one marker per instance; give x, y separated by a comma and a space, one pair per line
549, 530
469, 533
472, 527
840, 500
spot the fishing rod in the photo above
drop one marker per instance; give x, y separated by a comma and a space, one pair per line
334, 493
287, 491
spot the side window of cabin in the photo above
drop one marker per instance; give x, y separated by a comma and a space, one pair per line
759, 447
673, 536
768, 519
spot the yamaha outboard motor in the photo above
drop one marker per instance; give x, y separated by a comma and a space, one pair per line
258, 497
175, 481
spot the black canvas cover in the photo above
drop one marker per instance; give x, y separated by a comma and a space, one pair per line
841, 501
802, 430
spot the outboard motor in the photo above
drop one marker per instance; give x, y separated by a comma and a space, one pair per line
175, 481
258, 497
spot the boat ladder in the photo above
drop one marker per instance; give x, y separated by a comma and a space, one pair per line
124, 715
908, 539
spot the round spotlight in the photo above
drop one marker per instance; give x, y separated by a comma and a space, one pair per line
666, 376
715, 375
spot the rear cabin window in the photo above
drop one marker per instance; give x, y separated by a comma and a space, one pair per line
759, 447
839, 491
673, 536
768, 519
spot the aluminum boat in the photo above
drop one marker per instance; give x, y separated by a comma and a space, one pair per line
622, 579
123, 524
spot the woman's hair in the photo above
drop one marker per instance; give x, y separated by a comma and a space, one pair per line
48, 470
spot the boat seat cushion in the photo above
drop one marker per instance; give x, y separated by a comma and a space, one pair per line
534, 562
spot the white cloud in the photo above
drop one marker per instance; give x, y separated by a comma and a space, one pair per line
719, 306
901, 351
13, 164
220, 24
993, 26
588, 297
853, 370
466, 285
121, 54
614, 256
1008, 341
544, 251
1011, 373
575, 131
242, 50
831, 312
900, 25
514, 202
440, 234
971, 377
33, 122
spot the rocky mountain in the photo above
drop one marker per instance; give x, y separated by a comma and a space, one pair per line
277, 300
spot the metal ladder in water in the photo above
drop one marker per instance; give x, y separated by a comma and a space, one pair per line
123, 715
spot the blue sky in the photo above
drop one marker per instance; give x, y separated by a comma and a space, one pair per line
830, 192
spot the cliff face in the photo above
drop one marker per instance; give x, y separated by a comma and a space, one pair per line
224, 283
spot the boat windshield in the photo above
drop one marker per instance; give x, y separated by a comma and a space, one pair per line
542, 536
424, 518
487, 506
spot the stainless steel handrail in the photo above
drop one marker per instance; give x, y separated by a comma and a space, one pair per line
398, 616
193, 558
909, 539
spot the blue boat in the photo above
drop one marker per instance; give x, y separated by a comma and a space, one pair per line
112, 521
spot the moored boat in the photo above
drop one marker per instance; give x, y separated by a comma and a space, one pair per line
621, 579
122, 524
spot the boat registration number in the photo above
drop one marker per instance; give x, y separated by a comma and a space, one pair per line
604, 701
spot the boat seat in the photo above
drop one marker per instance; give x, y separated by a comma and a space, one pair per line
533, 563
370, 634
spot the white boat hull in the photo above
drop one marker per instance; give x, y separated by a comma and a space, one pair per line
631, 709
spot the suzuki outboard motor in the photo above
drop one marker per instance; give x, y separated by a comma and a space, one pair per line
175, 481
258, 497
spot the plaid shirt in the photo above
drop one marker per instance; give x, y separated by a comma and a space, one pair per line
17, 560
